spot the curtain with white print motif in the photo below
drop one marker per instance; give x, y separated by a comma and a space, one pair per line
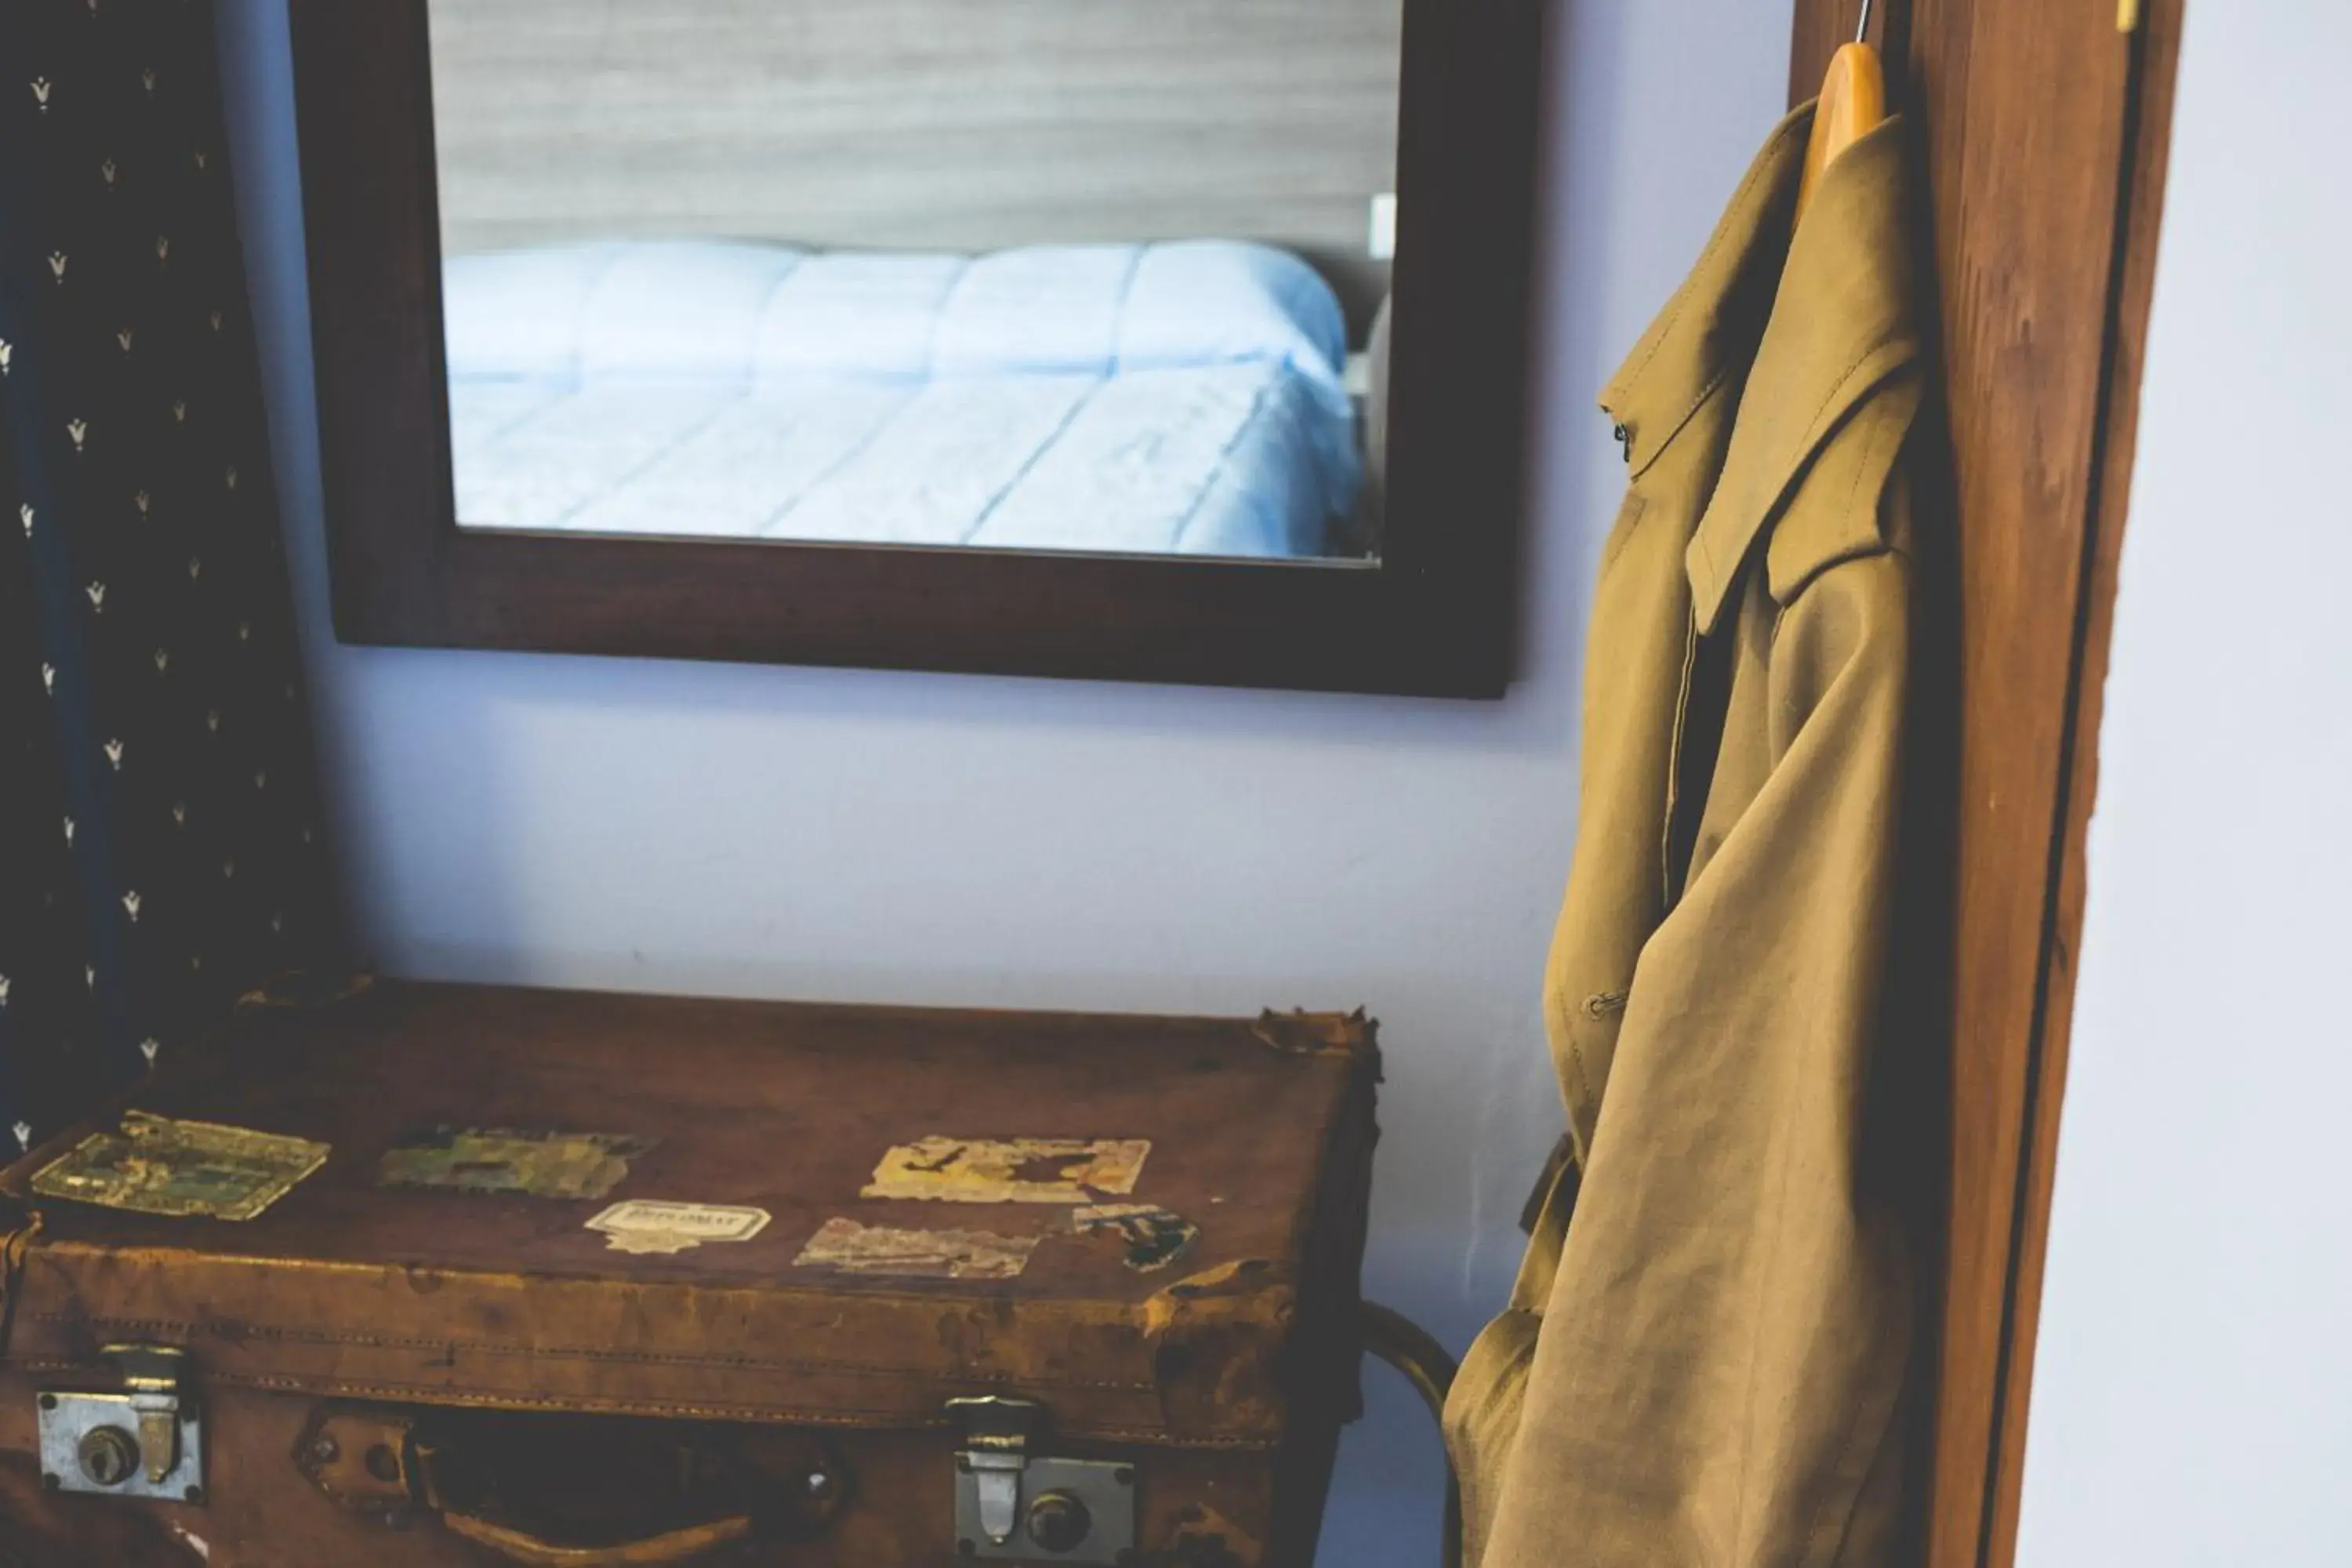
160, 850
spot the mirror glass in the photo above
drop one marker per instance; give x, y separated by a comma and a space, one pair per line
1099, 275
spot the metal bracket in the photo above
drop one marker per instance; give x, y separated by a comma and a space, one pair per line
995, 1457
1015, 1506
361, 1456
144, 1442
1304, 1034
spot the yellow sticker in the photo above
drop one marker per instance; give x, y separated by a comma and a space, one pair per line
845, 1246
1011, 1170
643, 1224
185, 1170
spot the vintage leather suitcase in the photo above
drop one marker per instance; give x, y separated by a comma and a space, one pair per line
863, 1287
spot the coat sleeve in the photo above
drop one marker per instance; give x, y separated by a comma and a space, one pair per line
1718, 1374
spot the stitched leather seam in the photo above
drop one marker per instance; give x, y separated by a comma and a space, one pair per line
65, 1256
861, 1419
239, 1333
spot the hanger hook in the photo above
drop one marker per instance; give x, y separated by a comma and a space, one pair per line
1861, 28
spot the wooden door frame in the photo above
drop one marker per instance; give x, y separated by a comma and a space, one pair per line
2007, 1083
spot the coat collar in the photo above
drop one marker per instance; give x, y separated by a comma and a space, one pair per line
1842, 326
1708, 331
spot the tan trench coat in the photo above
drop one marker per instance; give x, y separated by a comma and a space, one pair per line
1706, 1367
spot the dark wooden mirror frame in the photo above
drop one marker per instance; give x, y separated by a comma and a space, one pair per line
1434, 616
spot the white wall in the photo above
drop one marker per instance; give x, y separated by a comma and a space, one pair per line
931, 838
2192, 1398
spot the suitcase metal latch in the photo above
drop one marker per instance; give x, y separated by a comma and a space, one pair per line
144, 1442
1014, 1505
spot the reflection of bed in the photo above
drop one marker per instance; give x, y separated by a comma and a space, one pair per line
1181, 398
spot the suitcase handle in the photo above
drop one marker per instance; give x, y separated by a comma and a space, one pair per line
426, 1464
676, 1546
1414, 1352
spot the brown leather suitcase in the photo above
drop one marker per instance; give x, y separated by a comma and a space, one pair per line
597, 1280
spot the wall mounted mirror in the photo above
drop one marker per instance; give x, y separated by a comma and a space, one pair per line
1139, 338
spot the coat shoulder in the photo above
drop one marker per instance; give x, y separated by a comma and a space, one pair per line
1848, 502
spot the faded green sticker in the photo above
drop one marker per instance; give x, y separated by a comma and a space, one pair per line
186, 1170
510, 1160
1154, 1237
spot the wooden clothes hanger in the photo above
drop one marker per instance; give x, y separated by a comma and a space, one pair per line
1853, 99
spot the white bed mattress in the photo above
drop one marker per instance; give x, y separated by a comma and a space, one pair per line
1171, 398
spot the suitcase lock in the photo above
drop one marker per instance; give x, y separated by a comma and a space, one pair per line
1014, 1505
142, 1442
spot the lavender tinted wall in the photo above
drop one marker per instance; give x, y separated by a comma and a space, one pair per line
981, 841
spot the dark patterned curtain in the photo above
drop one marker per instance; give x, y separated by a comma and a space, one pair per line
160, 850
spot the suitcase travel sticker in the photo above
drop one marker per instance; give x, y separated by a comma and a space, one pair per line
183, 1170
538, 1164
648, 1225
1076, 1173
1010, 1170
1154, 1237
846, 1247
